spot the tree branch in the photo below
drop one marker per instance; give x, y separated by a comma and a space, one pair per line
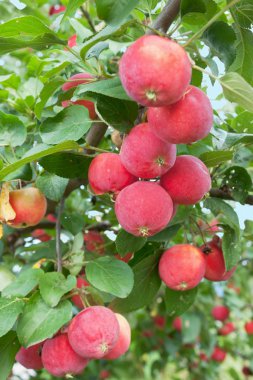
166, 17
218, 193
88, 18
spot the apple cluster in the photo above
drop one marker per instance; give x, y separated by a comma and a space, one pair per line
147, 179
94, 333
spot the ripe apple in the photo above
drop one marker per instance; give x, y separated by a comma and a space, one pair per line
155, 71
220, 313
124, 339
182, 267
30, 357
187, 181
30, 206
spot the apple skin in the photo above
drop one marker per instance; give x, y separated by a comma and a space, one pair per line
184, 122
126, 258
72, 41
220, 313
41, 235
193, 174
30, 357
55, 9
155, 71
215, 263
94, 242
227, 329
82, 102
218, 355
80, 283
145, 155
159, 321
76, 80
101, 335
123, 343
107, 174
177, 324
143, 208
182, 267
59, 359
30, 206
249, 327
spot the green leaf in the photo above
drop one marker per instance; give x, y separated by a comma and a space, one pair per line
9, 346
215, 158
39, 321
75, 262
191, 328
24, 283
243, 122
178, 302
13, 131
109, 87
69, 124
117, 113
111, 276
166, 234
47, 91
126, 243
72, 6
230, 247
237, 90
220, 37
239, 181
115, 12
244, 54
67, 165
46, 152
146, 285
74, 222
218, 206
10, 308
23, 27
54, 285
52, 186
6, 276
8, 45
243, 13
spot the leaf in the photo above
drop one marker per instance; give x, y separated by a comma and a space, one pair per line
115, 12
23, 27
126, 243
230, 247
146, 285
166, 234
9, 346
96, 50
72, 6
39, 321
24, 283
244, 54
54, 285
109, 87
243, 123
13, 131
74, 222
220, 37
117, 113
8, 45
75, 263
191, 328
67, 165
111, 276
69, 124
239, 181
10, 308
218, 206
237, 90
243, 13
45, 152
215, 158
6, 211
47, 91
178, 302
52, 186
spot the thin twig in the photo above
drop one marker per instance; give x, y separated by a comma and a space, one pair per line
58, 236
88, 18
166, 17
210, 22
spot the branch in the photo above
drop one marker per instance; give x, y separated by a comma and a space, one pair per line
218, 193
88, 18
166, 17
58, 236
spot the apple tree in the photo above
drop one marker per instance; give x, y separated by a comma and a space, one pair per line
126, 132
